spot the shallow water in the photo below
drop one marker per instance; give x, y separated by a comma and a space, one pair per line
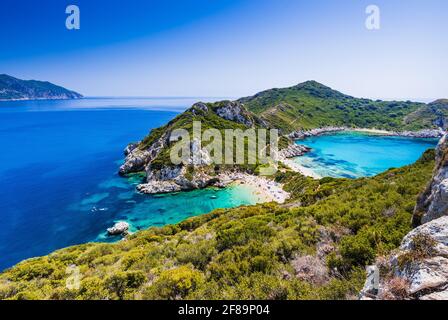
58, 174
356, 154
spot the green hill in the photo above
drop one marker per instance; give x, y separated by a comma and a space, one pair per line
310, 105
434, 113
15, 89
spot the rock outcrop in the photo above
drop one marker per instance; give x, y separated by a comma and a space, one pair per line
178, 178
138, 159
120, 228
294, 150
129, 148
419, 268
235, 111
423, 258
433, 202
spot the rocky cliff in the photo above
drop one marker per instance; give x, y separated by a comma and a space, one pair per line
419, 268
433, 203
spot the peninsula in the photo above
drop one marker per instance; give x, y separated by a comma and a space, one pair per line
16, 89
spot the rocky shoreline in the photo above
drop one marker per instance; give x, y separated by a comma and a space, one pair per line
426, 133
293, 151
269, 190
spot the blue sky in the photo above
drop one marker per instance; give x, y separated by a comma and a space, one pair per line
228, 47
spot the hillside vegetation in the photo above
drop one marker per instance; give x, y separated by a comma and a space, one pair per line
315, 247
310, 105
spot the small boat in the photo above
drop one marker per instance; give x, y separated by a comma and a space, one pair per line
213, 197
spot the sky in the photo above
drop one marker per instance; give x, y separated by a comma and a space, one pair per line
229, 48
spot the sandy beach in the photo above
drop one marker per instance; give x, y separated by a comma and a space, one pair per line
268, 190
372, 131
300, 169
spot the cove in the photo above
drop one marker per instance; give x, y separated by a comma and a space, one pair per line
358, 154
58, 171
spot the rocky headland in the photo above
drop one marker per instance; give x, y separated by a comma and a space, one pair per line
16, 89
167, 178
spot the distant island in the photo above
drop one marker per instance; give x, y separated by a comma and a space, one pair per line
16, 89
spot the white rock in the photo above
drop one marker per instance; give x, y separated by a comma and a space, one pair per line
436, 229
443, 295
234, 111
119, 228
156, 187
429, 274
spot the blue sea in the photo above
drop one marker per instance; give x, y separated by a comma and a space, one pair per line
357, 154
58, 174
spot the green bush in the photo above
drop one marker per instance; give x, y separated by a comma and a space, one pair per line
175, 284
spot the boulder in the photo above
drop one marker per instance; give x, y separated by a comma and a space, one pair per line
199, 108
426, 270
437, 230
120, 228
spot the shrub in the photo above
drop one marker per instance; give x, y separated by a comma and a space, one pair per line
175, 284
121, 283
422, 247
199, 254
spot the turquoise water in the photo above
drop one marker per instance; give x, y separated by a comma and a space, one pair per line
355, 154
58, 174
